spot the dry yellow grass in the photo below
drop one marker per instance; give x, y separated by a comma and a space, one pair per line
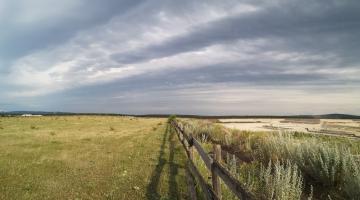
89, 157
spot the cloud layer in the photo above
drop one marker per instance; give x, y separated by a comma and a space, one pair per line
191, 57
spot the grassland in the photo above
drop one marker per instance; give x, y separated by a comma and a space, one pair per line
90, 157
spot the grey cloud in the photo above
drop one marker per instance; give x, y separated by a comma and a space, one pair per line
325, 34
18, 40
232, 74
310, 26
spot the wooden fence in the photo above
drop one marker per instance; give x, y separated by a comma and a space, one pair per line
218, 171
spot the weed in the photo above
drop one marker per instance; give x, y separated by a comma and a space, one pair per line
280, 182
33, 127
55, 142
86, 139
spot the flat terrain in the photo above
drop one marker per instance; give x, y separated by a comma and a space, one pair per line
90, 157
324, 126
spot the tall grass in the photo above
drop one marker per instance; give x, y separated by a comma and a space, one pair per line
280, 181
274, 182
300, 160
329, 165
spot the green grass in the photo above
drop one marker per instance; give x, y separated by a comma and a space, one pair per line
90, 157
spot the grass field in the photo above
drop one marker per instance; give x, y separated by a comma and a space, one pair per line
90, 157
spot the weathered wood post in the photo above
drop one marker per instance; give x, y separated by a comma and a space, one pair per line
215, 178
181, 132
191, 184
181, 137
191, 149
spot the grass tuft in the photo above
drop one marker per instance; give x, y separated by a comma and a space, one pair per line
33, 127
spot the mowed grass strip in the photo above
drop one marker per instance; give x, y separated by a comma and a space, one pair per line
90, 157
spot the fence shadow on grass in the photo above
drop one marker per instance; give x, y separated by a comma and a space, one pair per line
152, 189
173, 187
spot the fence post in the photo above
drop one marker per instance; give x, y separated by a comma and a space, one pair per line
191, 150
181, 137
190, 182
215, 178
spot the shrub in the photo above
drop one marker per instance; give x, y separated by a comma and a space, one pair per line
352, 179
327, 162
280, 182
330, 165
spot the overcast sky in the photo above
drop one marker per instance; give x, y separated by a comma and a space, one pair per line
242, 57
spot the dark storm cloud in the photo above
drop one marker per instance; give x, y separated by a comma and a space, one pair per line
315, 26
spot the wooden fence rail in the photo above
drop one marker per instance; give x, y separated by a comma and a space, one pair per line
211, 192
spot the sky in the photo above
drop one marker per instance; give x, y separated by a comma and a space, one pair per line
209, 57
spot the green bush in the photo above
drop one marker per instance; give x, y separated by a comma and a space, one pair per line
280, 182
351, 185
330, 165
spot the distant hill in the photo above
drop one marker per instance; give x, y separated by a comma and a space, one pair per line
325, 116
332, 116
